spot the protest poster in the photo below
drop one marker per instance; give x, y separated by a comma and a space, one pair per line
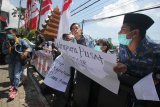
96, 65
59, 74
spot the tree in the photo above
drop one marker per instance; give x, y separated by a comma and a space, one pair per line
15, 13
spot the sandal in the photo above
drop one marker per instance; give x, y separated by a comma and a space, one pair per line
13, 94
11, 88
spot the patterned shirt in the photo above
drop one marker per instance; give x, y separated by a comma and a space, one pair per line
144, 61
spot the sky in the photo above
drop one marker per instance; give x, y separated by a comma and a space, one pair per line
102, 8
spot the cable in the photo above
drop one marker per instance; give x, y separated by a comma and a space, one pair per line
85, 7
80, 6
93, 8
100, 19
128, 2
124, 4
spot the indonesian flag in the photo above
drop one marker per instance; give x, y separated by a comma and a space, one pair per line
26, 19
45, 10
27, 14
32, 17
64, 21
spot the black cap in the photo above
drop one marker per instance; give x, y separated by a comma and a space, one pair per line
139, 20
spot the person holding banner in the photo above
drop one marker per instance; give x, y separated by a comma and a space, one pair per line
16, 51
85, 89
138, 56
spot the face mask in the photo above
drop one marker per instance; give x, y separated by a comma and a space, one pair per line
97, 48
10, 36
123, 39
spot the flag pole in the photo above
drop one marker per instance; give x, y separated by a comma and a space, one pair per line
40, 13
39, 18
30, 14
19, 15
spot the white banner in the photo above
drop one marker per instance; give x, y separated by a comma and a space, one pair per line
59, 74
96, 65
42, 61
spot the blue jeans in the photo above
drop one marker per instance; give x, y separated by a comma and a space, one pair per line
15, 71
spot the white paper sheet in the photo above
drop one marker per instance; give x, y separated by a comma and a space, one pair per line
58, 75
145, 89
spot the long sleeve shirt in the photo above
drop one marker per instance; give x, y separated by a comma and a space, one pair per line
144, 61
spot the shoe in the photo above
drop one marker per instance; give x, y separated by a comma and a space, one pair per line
11, 88
13, 94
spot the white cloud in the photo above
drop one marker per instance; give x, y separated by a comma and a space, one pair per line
7, 6
112, 26
119, 7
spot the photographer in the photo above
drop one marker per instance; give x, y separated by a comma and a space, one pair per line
16, 51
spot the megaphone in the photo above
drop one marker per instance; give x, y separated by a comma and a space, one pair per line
18, 48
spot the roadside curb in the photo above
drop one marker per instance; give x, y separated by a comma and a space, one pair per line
37, 84
45, 92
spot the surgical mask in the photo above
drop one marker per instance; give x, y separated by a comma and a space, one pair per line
123, 39
10, 36
97, 48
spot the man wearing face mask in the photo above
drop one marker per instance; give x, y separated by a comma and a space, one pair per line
138, 56
14, 59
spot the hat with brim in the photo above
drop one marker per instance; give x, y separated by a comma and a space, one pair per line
139, 20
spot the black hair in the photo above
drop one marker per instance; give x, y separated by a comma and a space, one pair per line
142, 31
73, 25
8, 29
65, 35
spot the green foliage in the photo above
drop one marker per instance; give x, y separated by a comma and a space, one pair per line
30, 35
15, 12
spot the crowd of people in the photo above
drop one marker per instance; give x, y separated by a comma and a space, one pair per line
137, 57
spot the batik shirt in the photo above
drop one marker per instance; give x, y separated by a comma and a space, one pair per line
144, 61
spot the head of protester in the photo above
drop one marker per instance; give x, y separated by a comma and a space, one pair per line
134, 28
102, 45
138, 56
79, 37
67, 37
76, 30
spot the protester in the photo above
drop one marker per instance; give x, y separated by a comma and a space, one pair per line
40, 42
16, 52
67, 37
84, 87
85, 40
138, 56
102, 45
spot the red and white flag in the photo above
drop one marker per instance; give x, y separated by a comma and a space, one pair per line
26, 19
32, 14
45, 10
27, 14
64, 21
